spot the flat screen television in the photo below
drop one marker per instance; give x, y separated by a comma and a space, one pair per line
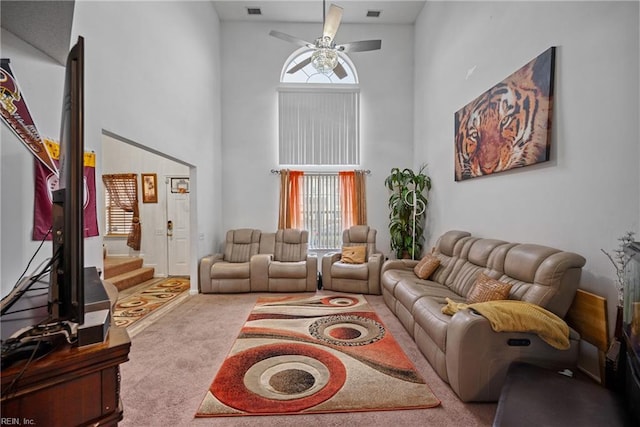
64, 296
66, 290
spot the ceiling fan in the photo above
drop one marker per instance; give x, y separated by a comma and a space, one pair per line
325, 56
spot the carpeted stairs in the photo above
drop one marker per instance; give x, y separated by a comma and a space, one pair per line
126, 272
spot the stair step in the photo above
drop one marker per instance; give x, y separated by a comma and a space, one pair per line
114, 266
132, 278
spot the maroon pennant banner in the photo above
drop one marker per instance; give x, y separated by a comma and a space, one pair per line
15, 114
46, 182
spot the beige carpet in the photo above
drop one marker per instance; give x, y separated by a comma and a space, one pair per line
314, 354
173, 360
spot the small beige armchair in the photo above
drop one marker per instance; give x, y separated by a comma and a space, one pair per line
361, 278
229, 272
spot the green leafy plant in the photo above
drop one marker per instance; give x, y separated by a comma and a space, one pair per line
406, 231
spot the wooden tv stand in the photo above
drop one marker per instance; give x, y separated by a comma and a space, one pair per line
72, 386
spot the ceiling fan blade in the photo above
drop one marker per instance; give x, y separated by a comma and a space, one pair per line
291, 39
299, 66
332, 22
360, 46
340, 71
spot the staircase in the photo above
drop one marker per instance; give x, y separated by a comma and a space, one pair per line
126, 272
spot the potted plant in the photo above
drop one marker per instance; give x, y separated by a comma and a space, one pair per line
407, 204
620, 259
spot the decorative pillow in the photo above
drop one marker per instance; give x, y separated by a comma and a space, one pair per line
354, 254
488, 289
426, 266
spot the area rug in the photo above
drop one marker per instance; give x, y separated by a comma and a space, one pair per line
144, 302
314, 354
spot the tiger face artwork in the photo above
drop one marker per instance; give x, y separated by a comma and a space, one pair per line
509, 125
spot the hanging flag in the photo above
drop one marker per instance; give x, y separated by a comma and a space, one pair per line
46, 182
15, 114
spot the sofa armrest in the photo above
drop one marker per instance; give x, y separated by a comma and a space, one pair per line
312, 272
205, 271
259, 271
478, 358
399, 264
327, 261
375, 265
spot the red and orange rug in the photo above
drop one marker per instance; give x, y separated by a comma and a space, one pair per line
314, 354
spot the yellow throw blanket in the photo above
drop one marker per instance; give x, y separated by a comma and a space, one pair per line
519, 316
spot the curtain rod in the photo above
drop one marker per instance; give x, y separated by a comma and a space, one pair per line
277, 172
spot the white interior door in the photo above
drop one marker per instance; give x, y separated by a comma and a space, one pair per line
178, 226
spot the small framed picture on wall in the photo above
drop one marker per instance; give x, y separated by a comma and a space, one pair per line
149, 188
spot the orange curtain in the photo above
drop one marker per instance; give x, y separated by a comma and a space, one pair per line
353, 202
290, 212
361, 197
347, 188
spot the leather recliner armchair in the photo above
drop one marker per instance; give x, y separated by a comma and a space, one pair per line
229, 272
354, 278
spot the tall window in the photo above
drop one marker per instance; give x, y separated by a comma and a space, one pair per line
319, 133
321, 212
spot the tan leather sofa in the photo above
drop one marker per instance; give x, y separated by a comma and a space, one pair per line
354, 278
463, 349
254, 261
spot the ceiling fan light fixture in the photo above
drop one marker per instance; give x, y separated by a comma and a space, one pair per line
324, 60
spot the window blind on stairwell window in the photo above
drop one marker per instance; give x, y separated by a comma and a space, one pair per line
319, 127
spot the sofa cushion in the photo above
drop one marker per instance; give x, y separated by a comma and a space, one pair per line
428, 315
288, 269
354, 254
291, 245
241, 244
409, 291
426, 266
447, 242
345, 270
488, 289
230, 270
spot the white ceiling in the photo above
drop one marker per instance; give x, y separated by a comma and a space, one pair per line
355, 11
46, 25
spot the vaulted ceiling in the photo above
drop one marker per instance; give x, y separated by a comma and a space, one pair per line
355, 11
46, 25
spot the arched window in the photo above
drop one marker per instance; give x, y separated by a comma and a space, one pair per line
308, 74
319, 114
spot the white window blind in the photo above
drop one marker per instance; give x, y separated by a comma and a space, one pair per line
319, 127
321, 210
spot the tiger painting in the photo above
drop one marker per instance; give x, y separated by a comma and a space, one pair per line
508, 126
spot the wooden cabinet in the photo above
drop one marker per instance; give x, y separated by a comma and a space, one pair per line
72, 386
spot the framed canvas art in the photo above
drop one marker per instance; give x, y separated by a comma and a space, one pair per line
509, 125
149, 188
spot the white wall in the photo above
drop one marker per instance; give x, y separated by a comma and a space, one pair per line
152, 76
252, 61
121, 157
154, 66
587, 195
41, 80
